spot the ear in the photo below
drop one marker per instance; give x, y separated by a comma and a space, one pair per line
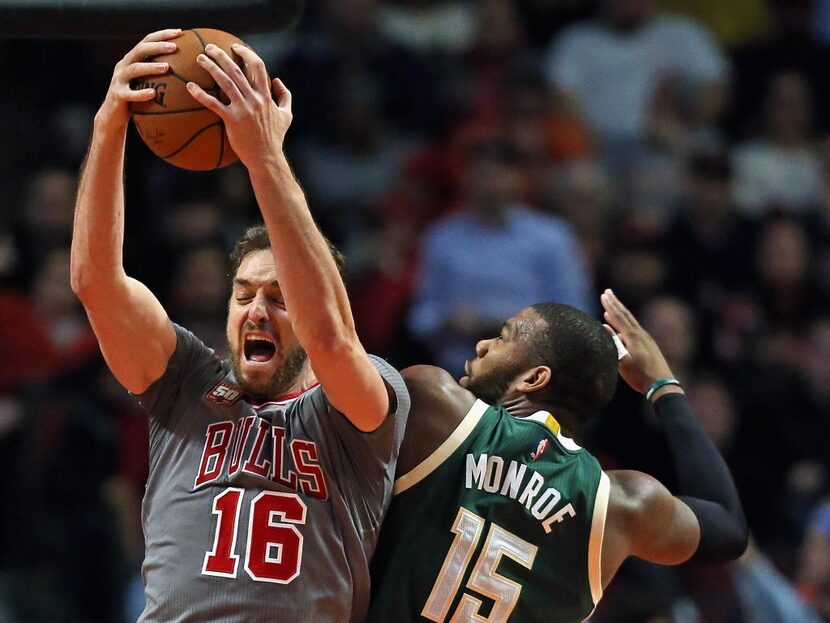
534, 379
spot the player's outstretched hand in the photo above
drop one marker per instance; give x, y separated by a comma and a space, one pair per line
255, 121
644, 363
116, 107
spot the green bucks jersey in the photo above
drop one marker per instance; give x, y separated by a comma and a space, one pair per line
503, 522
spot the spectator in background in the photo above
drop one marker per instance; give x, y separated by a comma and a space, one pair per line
382, 270
45, 220
708, 245
734, 23
429, 27
814, 566
716, 411
781, 169
494, 257
752, 584
51, 335
199, 294
636, 268
816, 367
610, 69
542, 133
346, 171
671, 322
581, 194
765, 594
498, 48
821, 227
764, 321
346, 51
124, 488
786, 294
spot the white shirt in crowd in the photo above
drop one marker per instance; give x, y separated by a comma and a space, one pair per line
613, 75
768, 176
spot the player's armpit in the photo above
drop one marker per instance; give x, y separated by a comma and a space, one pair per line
134, 332
647, 521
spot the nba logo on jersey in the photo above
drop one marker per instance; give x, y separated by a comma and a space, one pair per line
223, 393
543, 445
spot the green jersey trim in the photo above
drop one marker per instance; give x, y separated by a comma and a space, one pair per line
597, 534
443, 452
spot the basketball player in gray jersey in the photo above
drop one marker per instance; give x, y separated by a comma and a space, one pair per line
269, 473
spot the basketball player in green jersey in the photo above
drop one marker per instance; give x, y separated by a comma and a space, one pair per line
498, 515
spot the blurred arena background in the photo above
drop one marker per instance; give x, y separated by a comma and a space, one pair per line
678, 150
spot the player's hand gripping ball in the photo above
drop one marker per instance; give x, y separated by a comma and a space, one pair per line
175, 126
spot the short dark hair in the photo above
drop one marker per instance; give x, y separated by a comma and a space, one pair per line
256, 238
581, 355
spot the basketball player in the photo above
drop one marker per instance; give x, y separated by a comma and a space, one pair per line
499, 515
270, 472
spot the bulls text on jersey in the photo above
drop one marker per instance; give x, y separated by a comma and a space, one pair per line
227, 442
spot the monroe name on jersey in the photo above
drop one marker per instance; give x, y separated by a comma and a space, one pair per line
518, 482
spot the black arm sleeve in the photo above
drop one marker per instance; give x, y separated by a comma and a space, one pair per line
704, 482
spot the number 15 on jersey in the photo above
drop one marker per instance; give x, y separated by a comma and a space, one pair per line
484, 579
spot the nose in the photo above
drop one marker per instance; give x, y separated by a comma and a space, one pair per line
258, 311
482, 346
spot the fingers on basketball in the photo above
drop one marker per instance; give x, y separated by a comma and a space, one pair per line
175, 126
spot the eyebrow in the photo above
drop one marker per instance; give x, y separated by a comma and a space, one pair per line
250, 284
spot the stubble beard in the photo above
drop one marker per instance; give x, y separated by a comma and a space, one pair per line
492, 386
278, 383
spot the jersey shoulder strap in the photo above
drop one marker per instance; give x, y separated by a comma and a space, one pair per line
461, 433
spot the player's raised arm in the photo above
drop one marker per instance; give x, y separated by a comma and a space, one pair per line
135, 334
257, 117
645, 520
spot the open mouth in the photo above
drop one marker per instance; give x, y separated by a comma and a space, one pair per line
259, 349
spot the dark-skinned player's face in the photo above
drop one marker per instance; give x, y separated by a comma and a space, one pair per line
500, 360
264, 350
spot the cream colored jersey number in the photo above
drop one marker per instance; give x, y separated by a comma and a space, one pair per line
484, 579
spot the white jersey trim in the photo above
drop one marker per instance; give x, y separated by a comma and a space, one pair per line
442, 453
595, 540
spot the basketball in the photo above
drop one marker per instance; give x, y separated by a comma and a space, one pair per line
175, 126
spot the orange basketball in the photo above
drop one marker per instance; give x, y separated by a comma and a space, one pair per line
175, 126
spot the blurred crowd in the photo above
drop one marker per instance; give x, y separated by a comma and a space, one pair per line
470, 157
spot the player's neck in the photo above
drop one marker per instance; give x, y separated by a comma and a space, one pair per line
305, 380
522, 406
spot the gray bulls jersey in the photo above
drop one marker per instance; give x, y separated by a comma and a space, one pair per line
259, 513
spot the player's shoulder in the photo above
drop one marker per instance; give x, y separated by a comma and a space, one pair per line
438, 386
427, 375
439, 404
633, 493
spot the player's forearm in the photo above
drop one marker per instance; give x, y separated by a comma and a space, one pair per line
98, 231
704, 481
315, 296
